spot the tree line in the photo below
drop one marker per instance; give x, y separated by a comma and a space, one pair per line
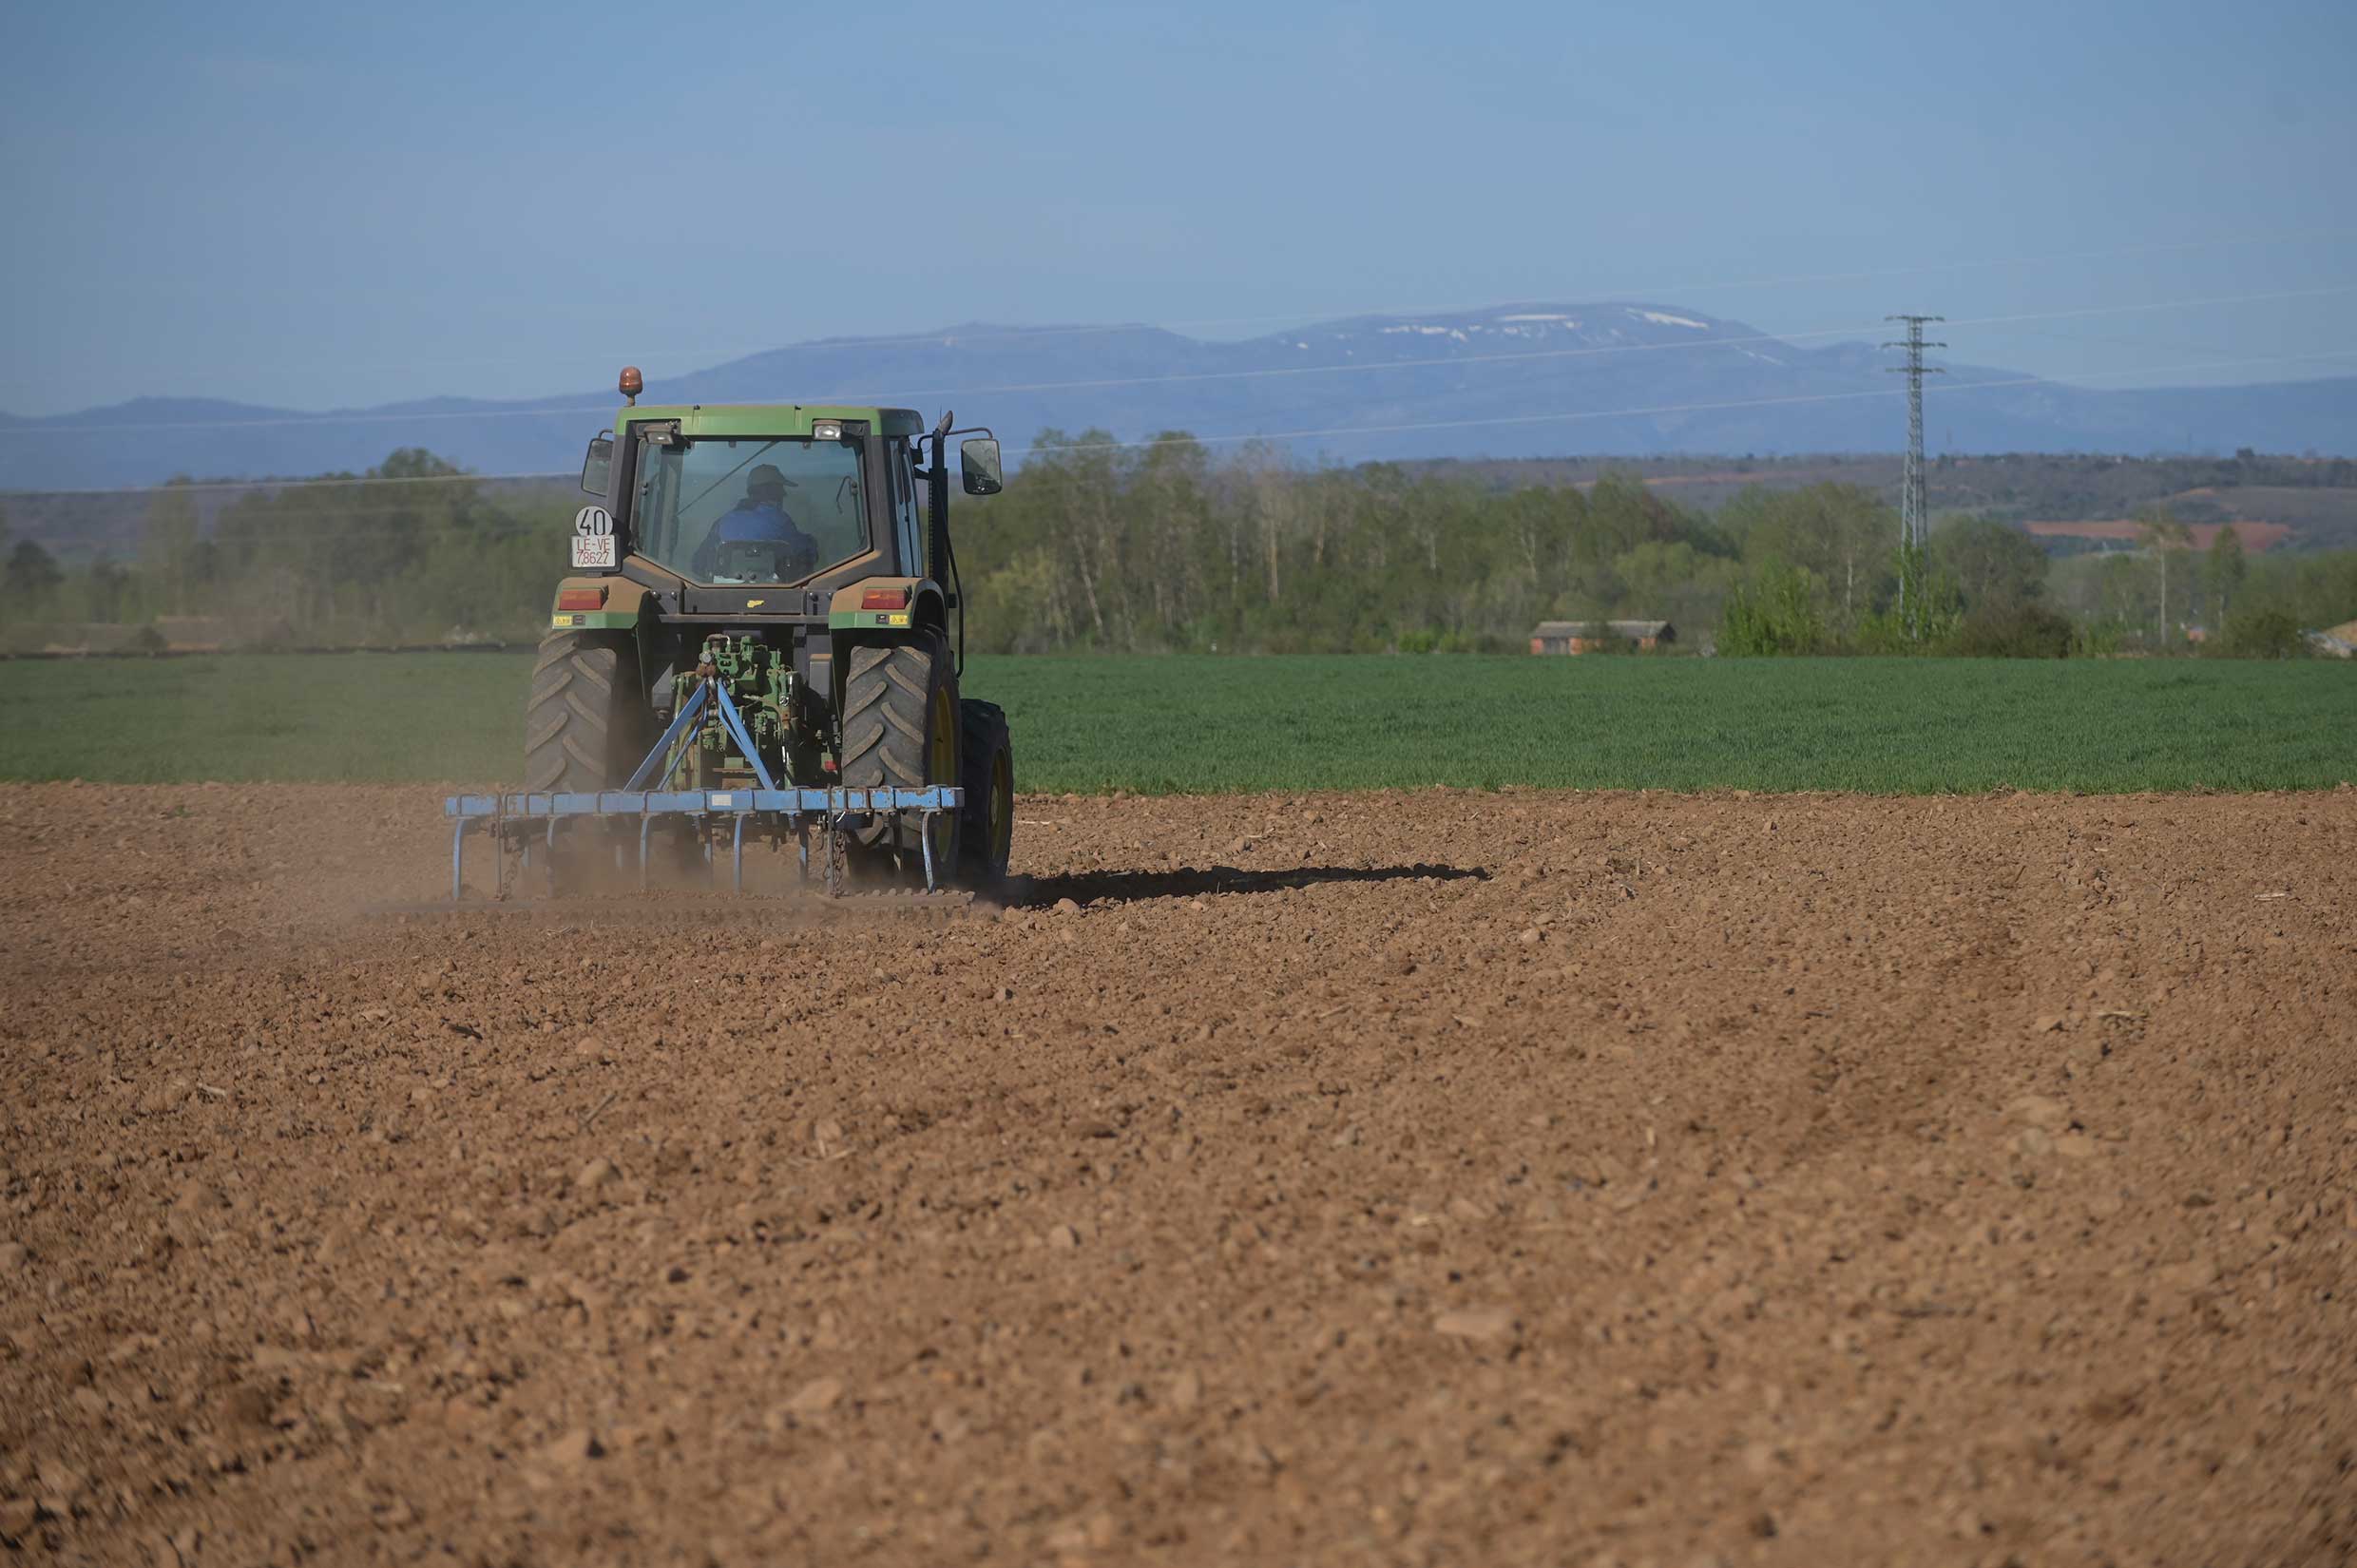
412, 551
1098, 546
1161, 546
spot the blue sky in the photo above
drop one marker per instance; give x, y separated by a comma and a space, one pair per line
316, 205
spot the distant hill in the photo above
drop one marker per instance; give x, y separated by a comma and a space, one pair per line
1513, 381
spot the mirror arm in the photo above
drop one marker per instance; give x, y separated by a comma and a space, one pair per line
937, 506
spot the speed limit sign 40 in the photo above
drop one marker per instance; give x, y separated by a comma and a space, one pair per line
593, 537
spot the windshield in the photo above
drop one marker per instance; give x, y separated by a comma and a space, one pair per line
749, 509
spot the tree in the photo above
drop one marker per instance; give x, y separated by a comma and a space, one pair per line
1840, 534
2164, 536
2225, 572
1776, 615
33, 576
110, 583
1993, 564
173, 553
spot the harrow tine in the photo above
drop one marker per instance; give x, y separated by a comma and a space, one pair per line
458, 858
925, 837
738, 857
834, 826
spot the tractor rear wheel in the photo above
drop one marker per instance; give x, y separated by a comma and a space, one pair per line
583, 727
582, 722
900, 731
986, 834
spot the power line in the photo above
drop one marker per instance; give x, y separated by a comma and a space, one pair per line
1592, 350
1651, 291
1688, 408
200, 486
1560, 416
1263, 373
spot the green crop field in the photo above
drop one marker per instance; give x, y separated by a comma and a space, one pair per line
1210, 724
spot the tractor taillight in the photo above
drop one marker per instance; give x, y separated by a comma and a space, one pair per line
884, 599
580, 598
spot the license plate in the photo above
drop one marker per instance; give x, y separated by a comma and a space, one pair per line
593, 549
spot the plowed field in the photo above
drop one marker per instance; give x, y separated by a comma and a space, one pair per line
1465, 1178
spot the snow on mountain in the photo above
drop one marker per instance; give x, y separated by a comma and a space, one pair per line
1519, 379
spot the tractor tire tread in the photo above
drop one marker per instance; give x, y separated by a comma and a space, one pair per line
884, 723
983, 734
577, 730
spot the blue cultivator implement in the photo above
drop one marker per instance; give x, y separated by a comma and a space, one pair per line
708, 736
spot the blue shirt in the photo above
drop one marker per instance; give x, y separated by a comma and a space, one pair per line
758, 520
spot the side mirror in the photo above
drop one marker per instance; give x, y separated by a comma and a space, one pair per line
599, 465
978, 458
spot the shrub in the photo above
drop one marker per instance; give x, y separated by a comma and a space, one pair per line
1775, 615
1885, 634
2263, 633
2015, 631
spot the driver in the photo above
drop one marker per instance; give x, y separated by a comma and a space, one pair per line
760, 518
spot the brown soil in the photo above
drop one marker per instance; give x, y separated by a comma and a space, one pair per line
1467, 1178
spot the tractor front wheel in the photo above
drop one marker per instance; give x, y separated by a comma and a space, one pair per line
900, 731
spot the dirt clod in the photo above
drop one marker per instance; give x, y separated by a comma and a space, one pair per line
1475, 1322
816, 1397
570, 1450
2038, 1111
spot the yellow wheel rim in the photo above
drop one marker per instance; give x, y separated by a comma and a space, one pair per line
941, 766
1001, 820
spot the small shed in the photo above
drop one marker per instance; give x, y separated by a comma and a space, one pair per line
1578, 636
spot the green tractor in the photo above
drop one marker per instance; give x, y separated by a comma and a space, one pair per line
764, 629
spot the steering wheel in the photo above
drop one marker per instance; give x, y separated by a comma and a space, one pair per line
763, 560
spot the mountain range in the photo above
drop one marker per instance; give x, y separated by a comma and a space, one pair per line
1620, 378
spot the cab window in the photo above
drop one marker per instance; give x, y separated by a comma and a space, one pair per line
749, 508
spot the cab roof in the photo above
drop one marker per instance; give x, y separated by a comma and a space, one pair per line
742, 419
